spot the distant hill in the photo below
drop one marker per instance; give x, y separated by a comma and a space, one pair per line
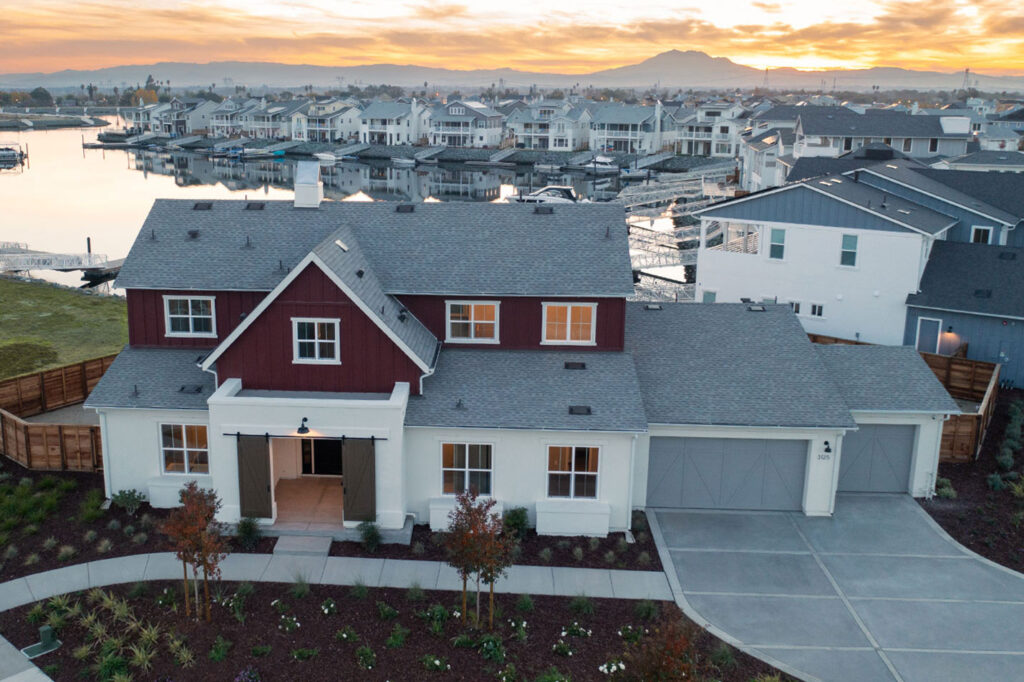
668, 69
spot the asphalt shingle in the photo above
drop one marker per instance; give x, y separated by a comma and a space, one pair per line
154, 378
973, 278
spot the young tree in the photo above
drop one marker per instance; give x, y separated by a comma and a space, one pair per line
495, 559
466, 526
197, 539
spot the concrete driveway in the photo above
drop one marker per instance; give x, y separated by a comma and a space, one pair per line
878, 592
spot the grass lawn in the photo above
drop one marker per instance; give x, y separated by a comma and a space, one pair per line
44, 326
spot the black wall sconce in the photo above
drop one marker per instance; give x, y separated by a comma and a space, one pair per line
303, 429
828, 448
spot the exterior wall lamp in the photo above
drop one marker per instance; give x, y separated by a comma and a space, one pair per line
949, 329
828, 448
303, 429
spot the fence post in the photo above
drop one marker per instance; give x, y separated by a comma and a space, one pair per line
28, 449
63, 453
92, 445
3, 435
42, 391
85, 382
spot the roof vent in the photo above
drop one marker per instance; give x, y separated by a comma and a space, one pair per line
341, 245
248, 242
255, 206
580, 410
403, 315
543, 210
756, 308
1007, 255
202, 206
652, 306
193, 389
982, 293
575, 365
193, 234
405, 208
360, 273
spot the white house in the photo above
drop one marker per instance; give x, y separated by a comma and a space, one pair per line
713, 130
632, 129
550, 124
759, 158
465, 123
399, 122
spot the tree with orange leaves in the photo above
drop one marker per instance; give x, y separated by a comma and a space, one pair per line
197, 538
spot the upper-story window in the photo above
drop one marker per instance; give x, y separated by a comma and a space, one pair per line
472, 321
848, 251
189, 316
907, 144
457, 111
777, 245
933, 144
981, 235
570, 323
315, 341
572, 471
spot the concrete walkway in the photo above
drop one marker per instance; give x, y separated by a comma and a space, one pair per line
317, 570
877, 592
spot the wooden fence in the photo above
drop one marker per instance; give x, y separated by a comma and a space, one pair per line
32, 394
50, 447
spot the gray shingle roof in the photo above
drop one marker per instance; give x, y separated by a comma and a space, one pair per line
530, 390
444, 249
159, 374
345, 263
873, 123
957, 272
992, 158
386, 110
885, 379
883, 203
623, 113
724, 365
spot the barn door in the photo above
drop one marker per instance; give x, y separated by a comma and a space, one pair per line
358, 467
254, 476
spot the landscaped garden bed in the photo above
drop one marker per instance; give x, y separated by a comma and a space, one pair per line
985, 510
274, 631
534, 550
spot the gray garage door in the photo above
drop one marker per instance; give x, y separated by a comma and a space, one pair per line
726, 473
876, 459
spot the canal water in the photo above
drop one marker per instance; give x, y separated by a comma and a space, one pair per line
67, 194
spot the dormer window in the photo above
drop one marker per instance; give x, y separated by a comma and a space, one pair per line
472, 321
457, 111
191, 316
573, 324
315, 341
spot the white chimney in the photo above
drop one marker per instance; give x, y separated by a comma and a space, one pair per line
309, 189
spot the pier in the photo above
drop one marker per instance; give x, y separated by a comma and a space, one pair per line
96, 268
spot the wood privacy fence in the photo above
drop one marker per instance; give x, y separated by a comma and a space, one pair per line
51, 447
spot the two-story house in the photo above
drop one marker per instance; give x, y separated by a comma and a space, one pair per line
759, 154
632, 129
465, 123
550, 124
399, 122
835, 130
713, 130
322, 349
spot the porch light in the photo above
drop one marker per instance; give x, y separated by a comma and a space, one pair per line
949, 329
303, 429
828, 448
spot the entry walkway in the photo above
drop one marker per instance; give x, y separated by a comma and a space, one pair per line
877, 592
317, 570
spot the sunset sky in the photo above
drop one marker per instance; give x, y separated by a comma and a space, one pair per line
539, 35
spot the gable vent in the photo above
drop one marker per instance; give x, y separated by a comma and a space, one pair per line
575, 365
580, 410
193, 234
405, 208
544, 210
193, 389
202, 206
1007, 255
982, 293
255, 206
652, 306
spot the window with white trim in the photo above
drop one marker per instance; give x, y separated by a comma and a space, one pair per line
315, 341
570, 323
817, 310
189, 316
466, 466
572, 471
933, 144
472, 321
981, 235
777, 244
184, 449
795, 305
848, 250
907, 144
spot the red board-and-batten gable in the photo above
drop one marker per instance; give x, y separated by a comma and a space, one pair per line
260, 350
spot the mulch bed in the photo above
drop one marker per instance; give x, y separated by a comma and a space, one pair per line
986, 521
426, 545
336, 659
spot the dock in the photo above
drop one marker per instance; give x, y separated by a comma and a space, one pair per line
96, 268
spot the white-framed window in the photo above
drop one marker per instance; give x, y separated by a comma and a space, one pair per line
184, 449
466, 466
189, 316
572, 324
572, 471
848, 250
817, 310
795, 305
981, 235
847, 143
907, 144
315, 341
933, 144
928, 331
472, 321
777, 244
457, 111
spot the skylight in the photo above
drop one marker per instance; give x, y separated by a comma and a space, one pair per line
341, 245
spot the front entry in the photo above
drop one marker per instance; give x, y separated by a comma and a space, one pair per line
358, 465
254, 477
321, 457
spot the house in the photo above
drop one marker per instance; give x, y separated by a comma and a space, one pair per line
280, 344
399, 122
805, 167
465, 124
145, 118
713, 130
274, 120
558, 125
971, 296
835, 130
996, 161
329, 120
759, 158
632, 129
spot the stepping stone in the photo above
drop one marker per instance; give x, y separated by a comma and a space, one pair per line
303, 545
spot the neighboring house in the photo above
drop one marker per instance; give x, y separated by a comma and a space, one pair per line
782, 116
843, 254
713, 130
331, 120
971, 295
550, 124
226, 117
463, 123
835, 130
399, 122
759, 159
274, 120
145, 118
271, 343
632, 129
805, 167
997, 161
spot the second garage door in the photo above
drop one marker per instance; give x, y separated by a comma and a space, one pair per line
726, 473
876, 458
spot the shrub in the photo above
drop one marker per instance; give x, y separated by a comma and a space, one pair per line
577, 553
129, 500
669, 653
250, 674
328, 607
140, 538
219, 650
563, 545
397, 637
582, 605
631, 634
642, 537
300, 588
1004, 462
89, 536
562, 648
347, 634
434, 663
418, 549
260, 650
29, 529
944, 489
139, 589
644, 559
370, 536
386, 611
147, 521
359, 590
288, 623
516, 522
545, 555
723, 656
610, 557
621, 545
645, 610
248, 533
31, 559
104, 546
524, 604
245, 589
304, 654
365, 658
168, 599
49, 544
995, 482
594, 543
89, 509
37, 614
415, 593
463, 641
639, 521
491, 648
114, 524
66, 553
1017, 489
128, 530
10, 552
574, 629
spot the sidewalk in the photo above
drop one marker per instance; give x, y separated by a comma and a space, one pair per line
316, 570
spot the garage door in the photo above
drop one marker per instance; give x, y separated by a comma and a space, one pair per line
726, 473
876, 458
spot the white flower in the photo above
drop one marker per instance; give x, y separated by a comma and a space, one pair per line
437, 662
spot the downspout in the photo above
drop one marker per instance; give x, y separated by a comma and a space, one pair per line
629, 495
106, 453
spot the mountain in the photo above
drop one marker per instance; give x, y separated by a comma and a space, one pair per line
669, 69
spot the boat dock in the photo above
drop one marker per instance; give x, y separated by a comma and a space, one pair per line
96, 268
